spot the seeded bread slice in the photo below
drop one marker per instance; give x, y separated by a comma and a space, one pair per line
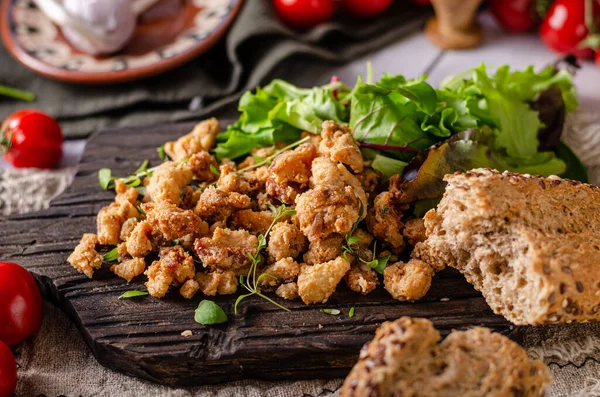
406, 359
530, 244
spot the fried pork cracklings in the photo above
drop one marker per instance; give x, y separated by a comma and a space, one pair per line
203, 220
530, 244
406, 358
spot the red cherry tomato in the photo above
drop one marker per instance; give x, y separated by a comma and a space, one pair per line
31, 139
514, 15
564, 28
21, 308
8, 371
365, 8
304, 14
598, 58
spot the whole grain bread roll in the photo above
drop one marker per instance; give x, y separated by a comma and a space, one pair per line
530, 244
406, 359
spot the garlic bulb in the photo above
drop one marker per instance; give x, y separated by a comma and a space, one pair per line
115, 19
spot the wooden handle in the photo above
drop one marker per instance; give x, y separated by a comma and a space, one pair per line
454, 25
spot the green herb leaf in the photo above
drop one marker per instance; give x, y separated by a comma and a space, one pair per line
161, 152
16, 93
353, 240
288, 213
208, 312
134, 182
132, 294
388, 166
380, 264
351, 312
140, 210
111, 255
105, 177
332, 312
143, 167
214, 170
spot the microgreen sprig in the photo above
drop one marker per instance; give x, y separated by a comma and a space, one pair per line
251, 282
378, 264
106, 179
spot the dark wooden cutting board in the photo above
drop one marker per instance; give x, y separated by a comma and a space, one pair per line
142, 336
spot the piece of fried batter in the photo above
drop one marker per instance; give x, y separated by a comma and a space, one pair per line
408, 281
285, 240
168, 182
201, 138
172, 221
339, 145
227, 249
129, 268
290, 172
316, 283
85, 258
174, 267
217, 205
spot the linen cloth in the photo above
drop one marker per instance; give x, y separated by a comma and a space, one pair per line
59, 363
257, 47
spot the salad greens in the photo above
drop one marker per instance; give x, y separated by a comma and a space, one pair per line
508, 120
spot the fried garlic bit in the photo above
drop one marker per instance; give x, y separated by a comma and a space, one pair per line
85, 258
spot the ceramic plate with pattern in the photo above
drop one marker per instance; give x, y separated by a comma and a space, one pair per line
158, 44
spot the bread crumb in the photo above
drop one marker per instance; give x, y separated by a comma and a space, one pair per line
320, 326
186, 333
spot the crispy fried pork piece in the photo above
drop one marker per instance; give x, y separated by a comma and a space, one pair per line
361, 278
232, 180
414, 231
190, 197
200, 165
127, 228
167, 182
125, 193
408, 281
314, 139
172, 221
384, 221
324, 249
226, 249
327, 173
201, 138
316, 283
110, 220
285, 240
187, 241
369, 179
257, 155
280, 272
253, 221
287, 291
290, 172
217, 282
174, 267
216, 205
339, 145
138, 243
129, 268
189, 288
84, 257
325, 210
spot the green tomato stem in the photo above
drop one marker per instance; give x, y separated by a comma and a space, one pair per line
16, 93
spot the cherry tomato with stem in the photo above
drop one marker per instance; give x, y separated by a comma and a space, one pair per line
514, 15
365, 8
304, 14
31, 139
21, 309
8, 371
565, 28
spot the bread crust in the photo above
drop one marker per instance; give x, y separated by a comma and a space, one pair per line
406, 359
530, 244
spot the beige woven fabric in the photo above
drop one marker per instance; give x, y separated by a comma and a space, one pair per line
58, 363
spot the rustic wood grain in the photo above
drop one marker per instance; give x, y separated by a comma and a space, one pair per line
142, 336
